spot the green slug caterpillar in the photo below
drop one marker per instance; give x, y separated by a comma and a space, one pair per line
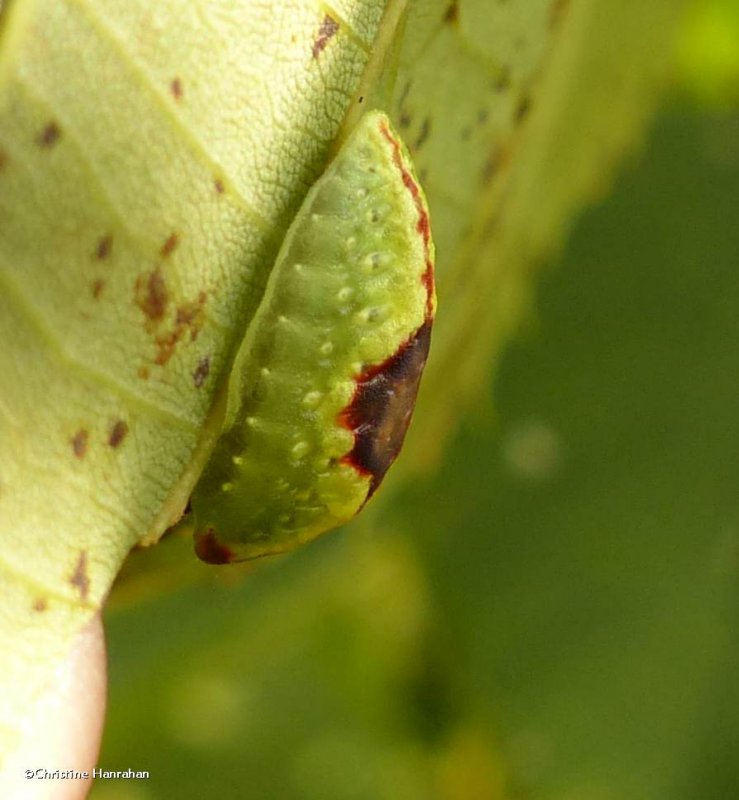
325, 381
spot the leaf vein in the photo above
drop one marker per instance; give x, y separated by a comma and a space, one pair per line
21, 302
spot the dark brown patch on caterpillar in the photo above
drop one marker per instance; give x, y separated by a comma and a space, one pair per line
40, 604
117, 433
176, 88
79, 443
381, 409
329, 28
210, 550
220, 188
97, 288
49, 136
201, 371
451, 15
79, 578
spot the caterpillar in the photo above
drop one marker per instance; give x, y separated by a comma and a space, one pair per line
324, 383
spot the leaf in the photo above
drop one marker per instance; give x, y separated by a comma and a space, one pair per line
516, 114
152, 155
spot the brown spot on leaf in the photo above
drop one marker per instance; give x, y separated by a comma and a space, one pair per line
152, 296
49, 136
489, 168
189, 318
97, 287
166, 343
522, 109
423, 134
104, 246
557, 11
329, 28
201, 371
210, 550
176, 88
169, 246
381, 409
452, 13
79, 578
493, 164
503, 81
220, 188
117, 433
40, 604
143, 373
79, 443
191, 315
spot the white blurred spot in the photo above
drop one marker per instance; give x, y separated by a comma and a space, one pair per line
206, 711
312, 399
532, 450
300, 450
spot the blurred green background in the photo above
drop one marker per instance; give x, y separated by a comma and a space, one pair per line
551, 616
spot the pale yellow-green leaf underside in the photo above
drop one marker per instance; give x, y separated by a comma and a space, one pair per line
151, 155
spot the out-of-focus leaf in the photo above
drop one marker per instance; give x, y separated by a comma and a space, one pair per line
515, 114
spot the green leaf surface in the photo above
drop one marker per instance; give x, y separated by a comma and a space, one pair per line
151, 158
